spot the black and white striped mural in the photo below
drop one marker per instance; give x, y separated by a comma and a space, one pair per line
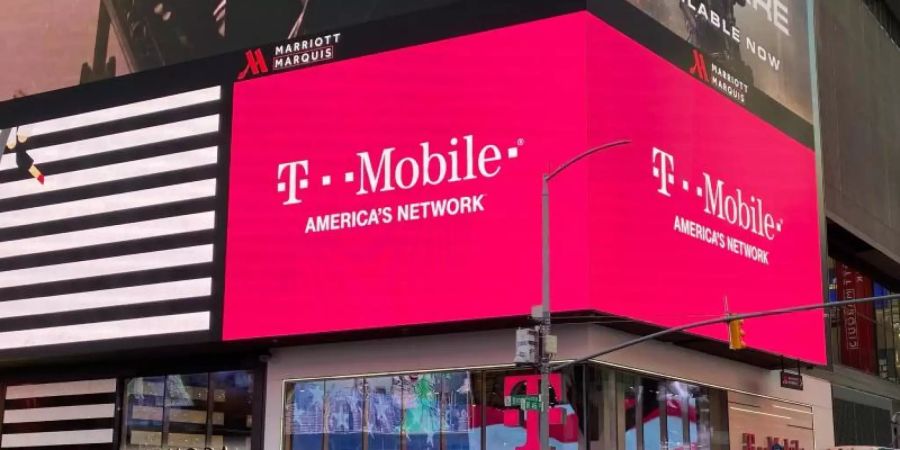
60, 416
107, 223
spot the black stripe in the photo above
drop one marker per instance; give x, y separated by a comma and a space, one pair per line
109, 188
110, 250
127, 124
179, 208
60, 400
164, 308
69, 447
115, 156
58, 425
186, 272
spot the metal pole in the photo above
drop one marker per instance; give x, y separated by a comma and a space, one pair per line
728, 318
545, 318
545, 300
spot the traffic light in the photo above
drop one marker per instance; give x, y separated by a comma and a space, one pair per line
736, 335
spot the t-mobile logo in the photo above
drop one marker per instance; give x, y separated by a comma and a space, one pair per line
293, 180
463, 160
513, 385
730, 205
663, 169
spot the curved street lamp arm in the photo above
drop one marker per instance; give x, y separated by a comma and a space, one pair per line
583, 155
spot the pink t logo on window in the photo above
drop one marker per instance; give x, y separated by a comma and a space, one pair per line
532, 417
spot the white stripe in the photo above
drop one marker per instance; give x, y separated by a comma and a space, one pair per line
58, 438
107, 266
109, 203
133, 295
112, 172
125, 111
119, 329
59, 413
105, 235
117, 141
83, 387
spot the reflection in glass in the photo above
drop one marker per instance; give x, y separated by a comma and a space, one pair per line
421, 412
628, 399
504, 427
652, 411
384, 413
304, 418
693, 425
232, 417
565, 429
598, 412
676, 411
429, 411
467, 411
456, 398
344, 414
203, 410
187, 402
143, 416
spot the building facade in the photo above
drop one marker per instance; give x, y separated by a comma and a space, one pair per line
859, 206
323, 232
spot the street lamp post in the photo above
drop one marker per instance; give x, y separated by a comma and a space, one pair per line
545, 296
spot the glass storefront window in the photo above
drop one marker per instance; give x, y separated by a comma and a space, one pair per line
144, 405
627, 395
653, 413
677, 414
232, 422
456, 422
504, 429
205, 410
187, 401
591, 408
304, 415
598, 425
428, 411
383, 419
343, 414
663, 414
421, 411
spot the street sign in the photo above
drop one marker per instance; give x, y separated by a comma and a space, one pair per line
791, 380
525, 402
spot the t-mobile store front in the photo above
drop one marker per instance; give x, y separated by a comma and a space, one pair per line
469, 409
415, 393
403, 188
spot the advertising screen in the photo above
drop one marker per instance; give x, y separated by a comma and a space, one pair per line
107, 223
763, 44
405, 188
63, 43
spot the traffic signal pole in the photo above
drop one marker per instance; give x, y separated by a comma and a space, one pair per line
725, 319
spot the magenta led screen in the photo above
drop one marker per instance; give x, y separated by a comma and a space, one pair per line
404, 188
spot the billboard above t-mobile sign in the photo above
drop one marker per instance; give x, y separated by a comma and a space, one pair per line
404, 188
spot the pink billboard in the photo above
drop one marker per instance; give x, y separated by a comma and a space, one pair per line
404, 188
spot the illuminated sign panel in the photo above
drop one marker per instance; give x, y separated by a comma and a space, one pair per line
107, 223
404, 188
759, 44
